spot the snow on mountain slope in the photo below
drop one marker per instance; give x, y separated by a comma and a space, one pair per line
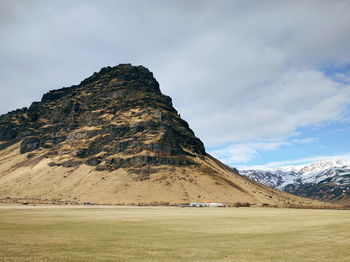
327, 180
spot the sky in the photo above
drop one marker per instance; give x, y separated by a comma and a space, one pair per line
261, 83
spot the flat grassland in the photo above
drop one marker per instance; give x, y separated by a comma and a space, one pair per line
173, 234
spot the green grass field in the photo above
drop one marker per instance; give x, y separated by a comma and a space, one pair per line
173, 234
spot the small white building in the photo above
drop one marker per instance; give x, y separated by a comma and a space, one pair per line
213, 204
206, 204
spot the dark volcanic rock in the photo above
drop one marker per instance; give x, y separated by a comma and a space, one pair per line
30, 144
116, 118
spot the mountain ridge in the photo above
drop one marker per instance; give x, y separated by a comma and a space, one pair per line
116, 139
326, 180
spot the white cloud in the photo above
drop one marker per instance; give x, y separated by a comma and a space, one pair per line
244, 152
267, 111
237, 74
304, 140
301, 161
342, 77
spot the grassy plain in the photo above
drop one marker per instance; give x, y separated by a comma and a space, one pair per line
173, 234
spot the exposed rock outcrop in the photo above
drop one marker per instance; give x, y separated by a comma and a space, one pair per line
115, 118
116, 139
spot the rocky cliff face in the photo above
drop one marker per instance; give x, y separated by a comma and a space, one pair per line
115, 118
116, 139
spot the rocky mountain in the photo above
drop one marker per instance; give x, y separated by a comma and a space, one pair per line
327, 180
116, 139
115, 118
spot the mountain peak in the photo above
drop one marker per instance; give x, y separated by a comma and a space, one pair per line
321, 165
115, 118
116, 139
110, 79
124, 72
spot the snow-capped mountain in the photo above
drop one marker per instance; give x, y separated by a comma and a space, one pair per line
327, 180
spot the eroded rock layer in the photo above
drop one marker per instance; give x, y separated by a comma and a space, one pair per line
116, 139
115, 118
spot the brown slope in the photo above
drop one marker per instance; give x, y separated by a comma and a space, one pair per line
35, 180
116, 139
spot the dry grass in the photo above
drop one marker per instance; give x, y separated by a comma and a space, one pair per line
173, 234
208, 180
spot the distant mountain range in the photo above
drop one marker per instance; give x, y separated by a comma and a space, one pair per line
327, 180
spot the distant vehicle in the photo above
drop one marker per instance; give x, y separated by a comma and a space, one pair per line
88, 204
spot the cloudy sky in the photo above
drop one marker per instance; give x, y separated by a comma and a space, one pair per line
260, 82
